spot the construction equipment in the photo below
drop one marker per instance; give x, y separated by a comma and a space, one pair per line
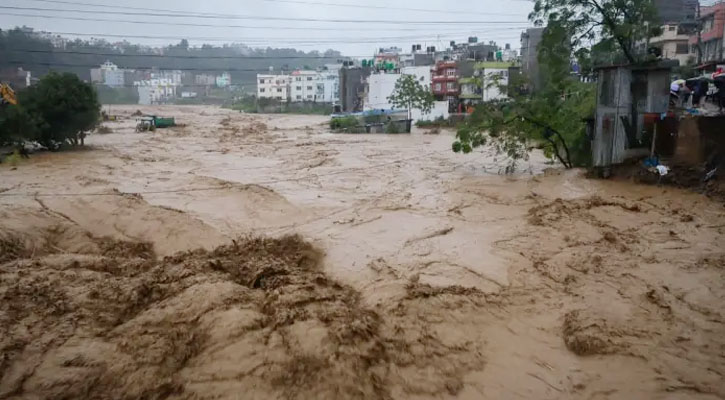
151, 122
7, 94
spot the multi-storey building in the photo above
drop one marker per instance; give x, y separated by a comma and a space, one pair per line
673, 43
712, 45
273, 87
445, 80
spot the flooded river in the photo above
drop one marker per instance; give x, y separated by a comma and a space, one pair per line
389, 268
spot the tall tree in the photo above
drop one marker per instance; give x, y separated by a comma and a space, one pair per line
64, 106
625, 22
409, 94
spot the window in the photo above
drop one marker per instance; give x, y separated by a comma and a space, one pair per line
279, 90
261, 90
309, 97
261, 81
299, 87
309, 78
671, 28
450, 72
682, 48
309, 87
437, 87
451, 86
299, 97
298, 79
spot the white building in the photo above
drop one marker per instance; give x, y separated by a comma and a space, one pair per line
330, 81
493, 75
155, 91
303, 86
224, 80
273, 87
380, 87
111, 75
205, 80
422, 74
674, 44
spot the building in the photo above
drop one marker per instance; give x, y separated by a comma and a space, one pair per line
712, 20
530, 68
444, 80
380, 87
494, 76
352, 87
223, 80
155, 91
303, 86
422, 74
673, 43
205, 80
273, 87
329, 82
111, 75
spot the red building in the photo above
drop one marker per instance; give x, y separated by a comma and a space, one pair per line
445, 80
712, 21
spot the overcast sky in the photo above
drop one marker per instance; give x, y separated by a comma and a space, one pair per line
498, 20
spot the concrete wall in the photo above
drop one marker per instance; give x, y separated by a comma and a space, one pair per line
422, 74
439, 110
380, 87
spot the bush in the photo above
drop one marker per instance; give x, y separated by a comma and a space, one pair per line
342, 123
391, 127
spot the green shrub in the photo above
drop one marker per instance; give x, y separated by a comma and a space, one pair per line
391, 127
342, 123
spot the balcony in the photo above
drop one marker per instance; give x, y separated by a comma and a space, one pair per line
446, 78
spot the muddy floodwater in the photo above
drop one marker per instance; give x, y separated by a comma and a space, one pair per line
244, 256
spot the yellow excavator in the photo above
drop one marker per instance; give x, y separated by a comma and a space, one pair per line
7, 94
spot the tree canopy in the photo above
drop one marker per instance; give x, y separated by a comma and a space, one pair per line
622, 22
409, 94
62, 107
552, 118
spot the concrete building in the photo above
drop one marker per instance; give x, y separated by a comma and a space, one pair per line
494, 78
155, 91
273, 87
421, 73
380, 87
712, 20
303, 86
330, 83
673, 43
444, 79
111, 75
205, 80
530, 41
352, 87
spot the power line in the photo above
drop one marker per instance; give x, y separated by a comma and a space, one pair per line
252, 17
222, 39
180, 12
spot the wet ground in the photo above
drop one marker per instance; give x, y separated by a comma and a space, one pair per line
418, 273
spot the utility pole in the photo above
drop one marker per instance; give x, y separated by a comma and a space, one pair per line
698, 24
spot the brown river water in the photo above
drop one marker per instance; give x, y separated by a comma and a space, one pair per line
259, 256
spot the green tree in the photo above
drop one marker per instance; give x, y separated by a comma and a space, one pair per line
624, 22
551, 118
16, 125
63, 106
409, 94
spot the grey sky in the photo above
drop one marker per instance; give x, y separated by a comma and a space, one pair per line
498, 20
